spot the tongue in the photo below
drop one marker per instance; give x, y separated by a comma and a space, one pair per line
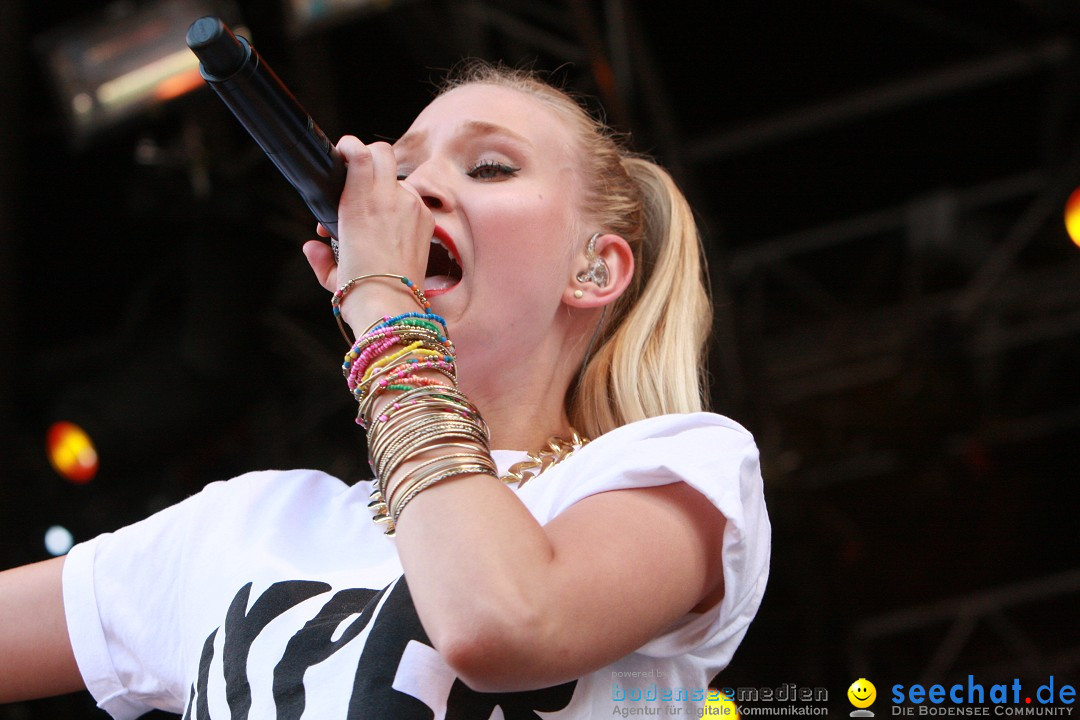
439, 282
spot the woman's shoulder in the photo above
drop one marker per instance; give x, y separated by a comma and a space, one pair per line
272, 486
700, 438
678, 424
709, 452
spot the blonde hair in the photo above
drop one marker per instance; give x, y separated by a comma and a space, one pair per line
648, 359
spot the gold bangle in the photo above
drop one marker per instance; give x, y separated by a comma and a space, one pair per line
406, 435
391, 466
413, 442
338, 297
415, 435
464, 469
433, 399
425, 468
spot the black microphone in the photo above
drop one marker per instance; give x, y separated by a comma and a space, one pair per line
263, 105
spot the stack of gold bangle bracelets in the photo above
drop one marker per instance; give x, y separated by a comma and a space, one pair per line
429, 431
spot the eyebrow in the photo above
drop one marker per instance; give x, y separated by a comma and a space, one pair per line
477, 128
408, 140
482, 128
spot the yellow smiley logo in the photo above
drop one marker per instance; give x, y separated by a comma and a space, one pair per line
862, 693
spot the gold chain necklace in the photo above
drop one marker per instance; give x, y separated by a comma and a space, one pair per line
554, 452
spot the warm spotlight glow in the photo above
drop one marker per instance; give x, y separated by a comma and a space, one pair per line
1072, 216
177, 85
71, 452
58, 540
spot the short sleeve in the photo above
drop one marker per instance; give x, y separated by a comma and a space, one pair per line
718, 458
122, 595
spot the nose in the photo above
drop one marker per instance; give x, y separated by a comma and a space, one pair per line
425, 181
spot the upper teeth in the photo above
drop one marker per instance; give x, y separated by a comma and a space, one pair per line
436, 241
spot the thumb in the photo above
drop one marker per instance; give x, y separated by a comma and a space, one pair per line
321, 259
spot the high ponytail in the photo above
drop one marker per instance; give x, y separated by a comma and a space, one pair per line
648, 358
651, 362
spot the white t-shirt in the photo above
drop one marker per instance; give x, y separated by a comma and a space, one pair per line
273, 595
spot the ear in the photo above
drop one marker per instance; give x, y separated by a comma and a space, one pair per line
619, 258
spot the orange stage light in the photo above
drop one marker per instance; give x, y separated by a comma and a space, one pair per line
1072, 216
71, 452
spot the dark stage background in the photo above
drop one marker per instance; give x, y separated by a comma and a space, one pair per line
881, 185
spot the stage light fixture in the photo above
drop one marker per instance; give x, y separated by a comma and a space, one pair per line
124, 61
306, 15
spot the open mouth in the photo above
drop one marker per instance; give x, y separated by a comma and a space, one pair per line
443, 269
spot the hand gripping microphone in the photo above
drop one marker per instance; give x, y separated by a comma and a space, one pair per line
263, 105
